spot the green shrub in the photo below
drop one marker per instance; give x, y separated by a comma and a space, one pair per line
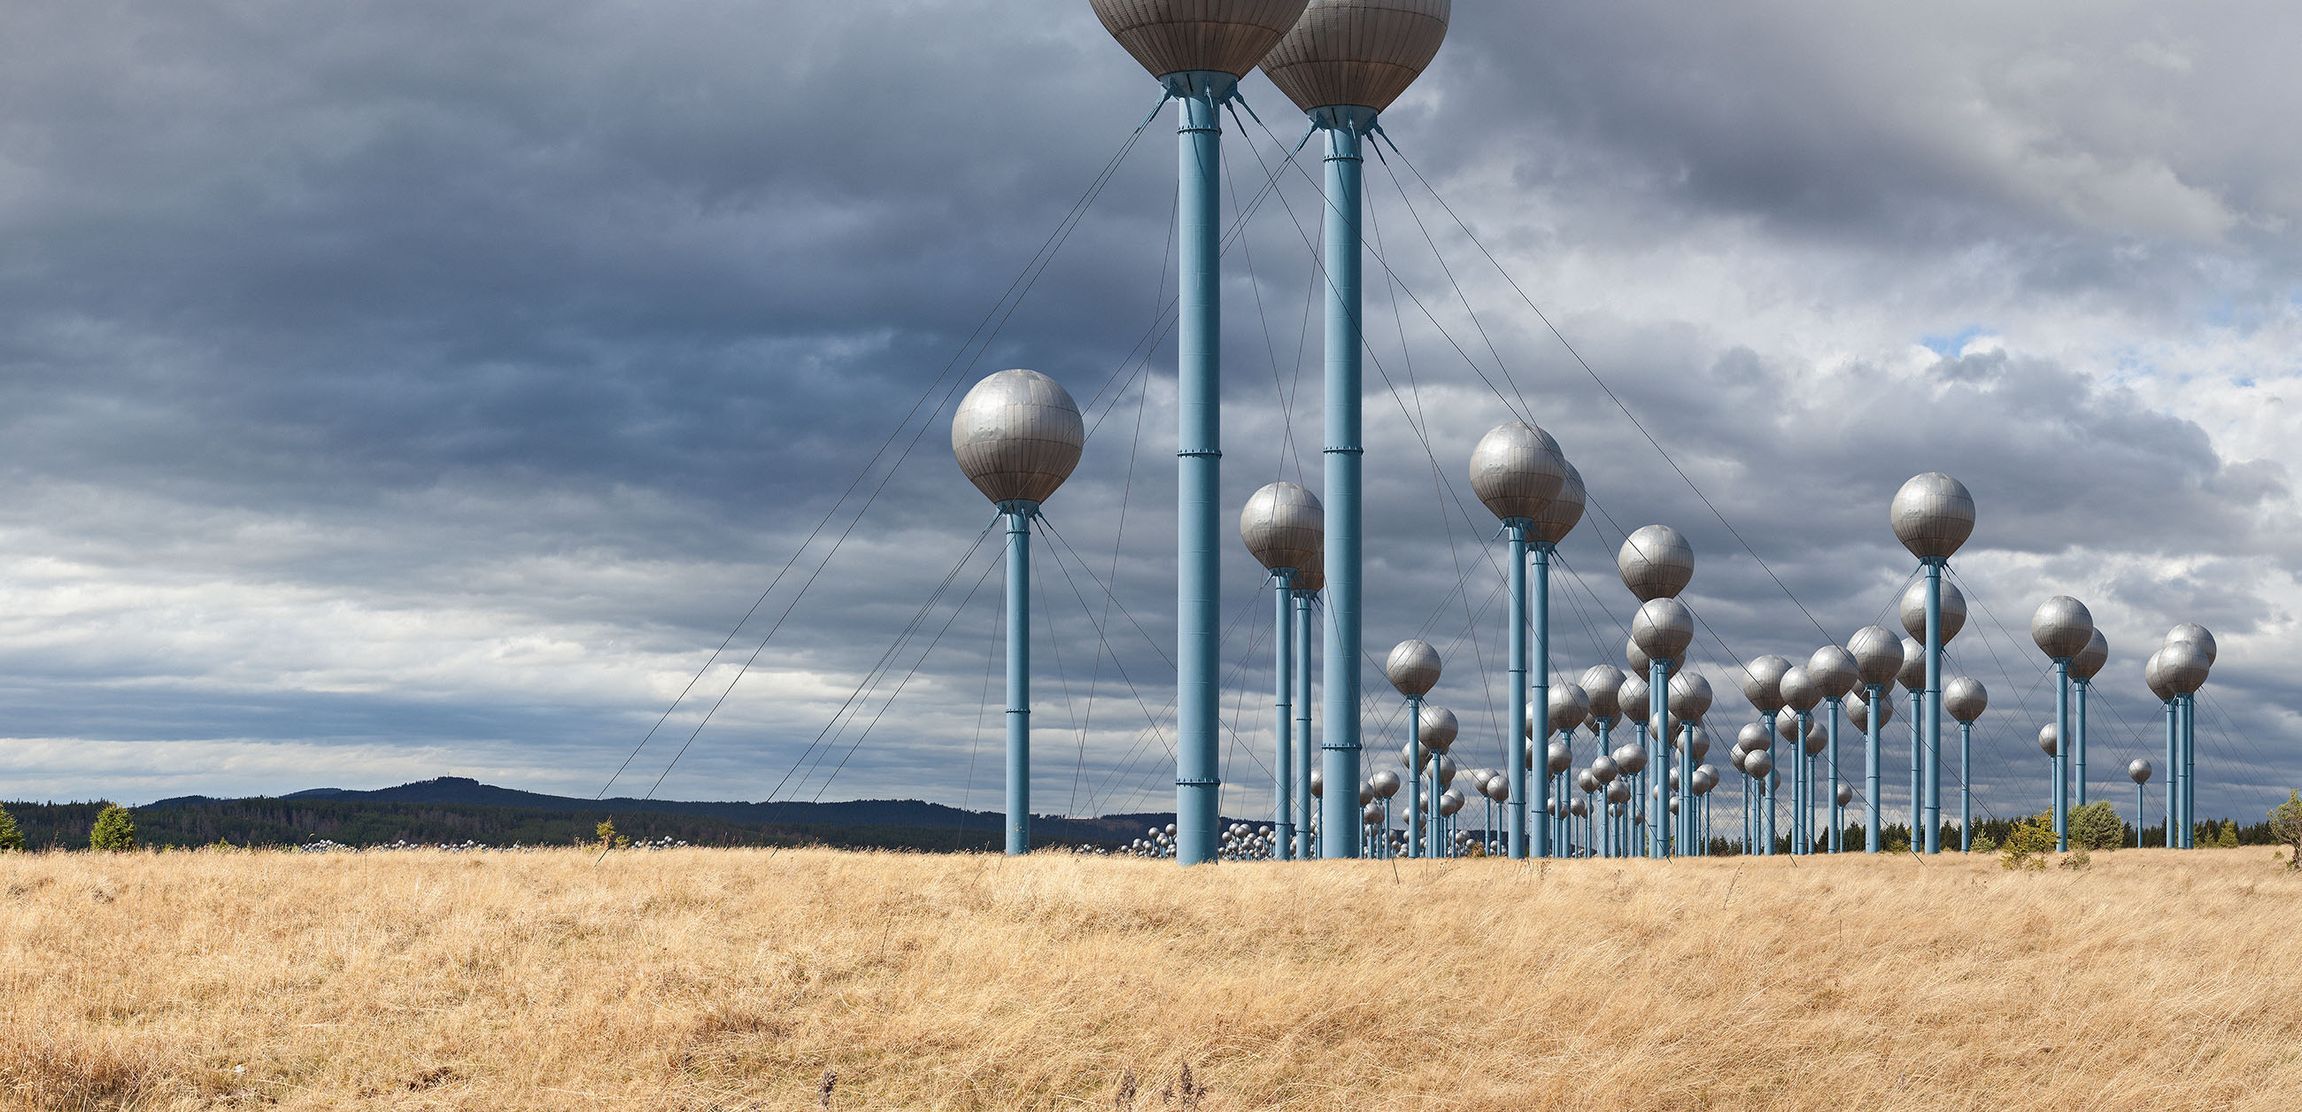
115, 829
2286, 826
2228, 838
2096, 826
2027, 844
1984, 844
11, 835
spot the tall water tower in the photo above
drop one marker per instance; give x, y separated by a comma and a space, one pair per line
2062, 628
2083, 668
1017, 435
1281, 525
1877, 658
1199, 49
1343, 62
1518, 473
1932, 515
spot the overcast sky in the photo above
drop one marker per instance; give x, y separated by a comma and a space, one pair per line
390, 390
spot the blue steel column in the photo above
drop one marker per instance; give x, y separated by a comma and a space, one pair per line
1684, 828
1521, 727
1303, 799
1659, 716
1539, 671
2078, 743
1341, 454
1870, 770
1198, 463
1933, 707
1415, 840
2061, 749
1837, 710
2187, 705
1917, 783
2139, 801
2173, 770
1965, 787
1018, 516
1283, 684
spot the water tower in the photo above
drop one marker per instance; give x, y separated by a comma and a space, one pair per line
1017, 435
1965, 699
2062, 627
1832, 670
1656, 563
1413, 669
2083, 668
1519, 473
1343, 62
1199, 49
1932, 515
2138, 770
1877, 658
2184, 663
1281, 525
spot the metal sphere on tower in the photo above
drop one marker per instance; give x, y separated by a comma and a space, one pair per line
1450, 801
2089, 661
1636, 658
1578, 808
1858, 710
1845, 795
1497, 788
1017, 435
1817, 738
1700, 743
1913, 674
1690, 696
1603, 683
1557, 757
1385, 783
1318, 783
1932, 515
1877, 654
2195, 634
1630, 758
1413, 667
1656, 562
1357, 53
2154, 676
1913, 610
1833, 671
1570, 706
1663, 628
1604, 767
1284, 527
1706, 778
1964, 698
1444, 768
2061, 627
1736, 756
1633, 698
1799, 691
1366, 792
1178, 36
1563, 512
1762, 682
2049, 739
1517, 470
2138, 770
1757, 763
1586, 780
1618, 792
1753, 737
2184, 665
1436, 726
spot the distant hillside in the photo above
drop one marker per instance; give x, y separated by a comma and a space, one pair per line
459, 809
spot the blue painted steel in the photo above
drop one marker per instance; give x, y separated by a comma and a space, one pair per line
1344, 127
1658, 716
1965, 787
1766, 787
2078, 743
2173, 765
1833, 710
2188, 706
1933, 708
1198, 464
1870, 771
2138, 816
1415, 843
1683, 828
1283, 685
1304, 803
2061, 749
1018, 515
1521, 726
1539, 696
1917, 765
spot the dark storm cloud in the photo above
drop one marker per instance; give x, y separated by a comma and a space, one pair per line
450, 378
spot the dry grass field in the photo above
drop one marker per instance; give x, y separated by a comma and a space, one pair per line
743, 979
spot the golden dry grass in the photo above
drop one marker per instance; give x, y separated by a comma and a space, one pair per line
735, 979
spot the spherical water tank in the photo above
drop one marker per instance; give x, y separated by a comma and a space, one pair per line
1017, 435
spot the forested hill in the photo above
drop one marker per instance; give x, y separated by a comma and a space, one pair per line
458, 809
